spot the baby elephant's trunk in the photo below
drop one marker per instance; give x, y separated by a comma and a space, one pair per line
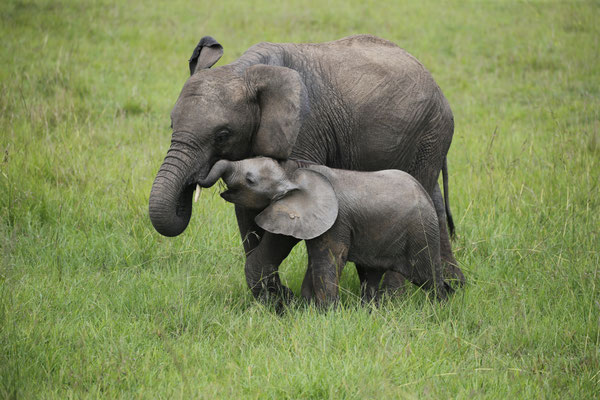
221, 169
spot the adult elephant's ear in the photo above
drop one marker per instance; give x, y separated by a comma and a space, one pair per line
305, 212
206, 54
283, 101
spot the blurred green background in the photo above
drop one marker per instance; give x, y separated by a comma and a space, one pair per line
94, 303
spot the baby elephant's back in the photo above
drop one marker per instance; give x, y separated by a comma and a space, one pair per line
373, 193
383, 209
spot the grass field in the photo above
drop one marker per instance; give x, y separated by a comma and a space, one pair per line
95, 303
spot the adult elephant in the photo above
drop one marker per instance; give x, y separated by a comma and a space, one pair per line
359, 103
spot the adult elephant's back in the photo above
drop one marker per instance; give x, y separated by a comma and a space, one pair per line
373, 106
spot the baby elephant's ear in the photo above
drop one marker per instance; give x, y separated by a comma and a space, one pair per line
304, 213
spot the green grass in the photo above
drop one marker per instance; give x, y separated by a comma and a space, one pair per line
94, 303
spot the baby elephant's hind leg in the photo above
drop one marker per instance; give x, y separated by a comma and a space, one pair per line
422, 264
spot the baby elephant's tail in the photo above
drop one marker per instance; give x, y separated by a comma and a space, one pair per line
446, 202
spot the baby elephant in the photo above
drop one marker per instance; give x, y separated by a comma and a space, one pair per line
380, 220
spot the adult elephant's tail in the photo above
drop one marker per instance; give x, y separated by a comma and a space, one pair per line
446, 203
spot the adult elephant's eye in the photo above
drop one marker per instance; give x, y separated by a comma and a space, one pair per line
222, 135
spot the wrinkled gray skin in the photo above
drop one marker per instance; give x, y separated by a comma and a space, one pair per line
358, 103
382, 221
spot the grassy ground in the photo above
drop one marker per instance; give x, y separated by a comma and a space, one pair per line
94, 303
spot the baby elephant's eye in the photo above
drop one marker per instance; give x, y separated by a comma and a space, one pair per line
250, 178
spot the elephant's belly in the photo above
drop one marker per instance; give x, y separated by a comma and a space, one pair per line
377, 248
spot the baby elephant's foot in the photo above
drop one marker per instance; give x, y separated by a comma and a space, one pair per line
326, 303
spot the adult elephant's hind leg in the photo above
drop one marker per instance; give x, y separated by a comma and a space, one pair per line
393, 284
370, 280
452, 272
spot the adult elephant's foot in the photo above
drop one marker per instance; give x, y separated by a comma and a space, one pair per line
280, 292
279, 298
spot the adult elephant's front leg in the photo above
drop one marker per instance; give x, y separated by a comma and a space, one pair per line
262, 266
250, 232
308, 290
451, 270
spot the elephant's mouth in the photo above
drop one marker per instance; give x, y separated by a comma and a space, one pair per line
195, 184
229, 195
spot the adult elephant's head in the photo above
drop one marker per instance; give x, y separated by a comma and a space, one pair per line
223, 113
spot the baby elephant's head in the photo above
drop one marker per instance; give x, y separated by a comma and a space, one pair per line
253, 183
300, 203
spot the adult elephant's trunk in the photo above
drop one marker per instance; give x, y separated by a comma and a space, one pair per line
170, 204
222, 168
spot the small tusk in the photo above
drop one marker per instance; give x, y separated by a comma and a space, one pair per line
197, 194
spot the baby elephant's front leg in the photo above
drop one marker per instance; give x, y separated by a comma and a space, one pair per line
262, 266
326, 260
